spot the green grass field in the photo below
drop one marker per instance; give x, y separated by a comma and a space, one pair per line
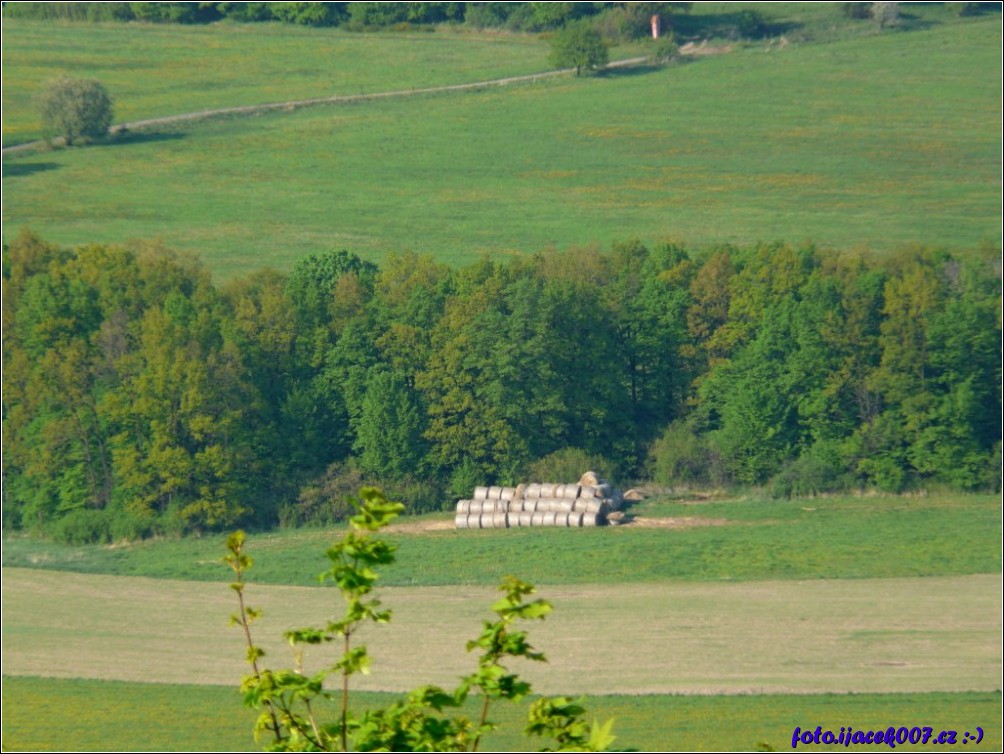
738, 617
873, 142
833, 538
156, 70
790, 582
87, 715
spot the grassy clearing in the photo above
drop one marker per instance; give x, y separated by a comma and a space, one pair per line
155, 70
831, 538
840, 636
874, 142
143, 717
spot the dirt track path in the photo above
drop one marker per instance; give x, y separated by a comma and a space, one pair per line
341, 99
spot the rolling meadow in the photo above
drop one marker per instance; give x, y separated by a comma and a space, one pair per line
840, 167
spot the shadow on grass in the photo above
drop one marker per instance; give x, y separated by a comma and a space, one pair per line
22, 169
128, 138
628, 71
739, 25
910, 22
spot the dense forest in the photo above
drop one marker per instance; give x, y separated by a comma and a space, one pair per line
140, 398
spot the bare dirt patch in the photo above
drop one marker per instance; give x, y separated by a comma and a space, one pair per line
703, 49
674, 522
420, 527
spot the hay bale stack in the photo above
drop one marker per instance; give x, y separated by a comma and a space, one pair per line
587, 502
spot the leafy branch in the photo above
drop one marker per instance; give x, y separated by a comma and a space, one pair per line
421, 720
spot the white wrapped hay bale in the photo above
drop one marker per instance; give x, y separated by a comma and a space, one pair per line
521, 519
568, 491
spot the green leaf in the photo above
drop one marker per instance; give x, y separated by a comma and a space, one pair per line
601, 737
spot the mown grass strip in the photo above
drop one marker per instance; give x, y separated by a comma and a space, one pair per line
43, 714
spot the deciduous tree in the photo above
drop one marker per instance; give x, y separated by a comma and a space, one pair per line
75, 108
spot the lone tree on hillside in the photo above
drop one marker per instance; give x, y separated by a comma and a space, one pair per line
74, 108
580, 47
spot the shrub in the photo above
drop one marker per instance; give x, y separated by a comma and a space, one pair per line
83, 526
325, 500
75, 108
663, 50
681, 456
568, 464
419, 496
821, 468
464, 479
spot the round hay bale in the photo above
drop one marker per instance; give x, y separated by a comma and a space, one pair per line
519, 492
480, 493
633, 496
494, 493
460, 521
524, 519
587, 505
551, 519
575, 519
546, 504
500, 521
587, 490
591, 519
463, 506
547, 489
589, 478
537, 519
569, 491
564, 506
532, 491
508, 493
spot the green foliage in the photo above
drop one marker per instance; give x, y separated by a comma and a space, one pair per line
570, 463
75, 108
663, 50
306, 13
133, 385
288, 698
578, 46
682, 456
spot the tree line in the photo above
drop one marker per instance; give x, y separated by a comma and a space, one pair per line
631, 19
139, 397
